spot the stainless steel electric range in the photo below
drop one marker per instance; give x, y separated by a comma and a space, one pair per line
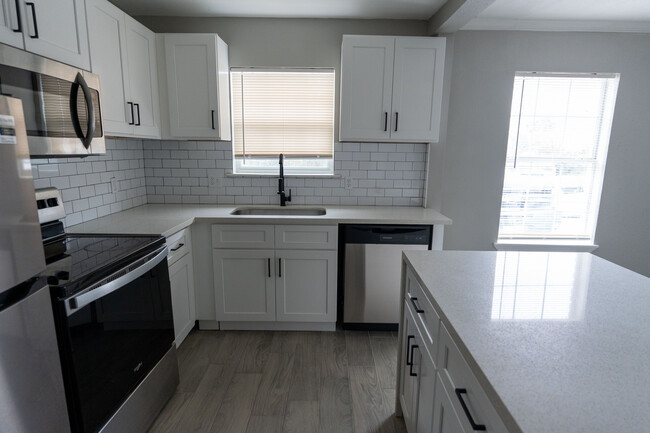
113, 314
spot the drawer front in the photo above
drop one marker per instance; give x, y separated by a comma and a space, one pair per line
179, 244
242, 236
467, 396
427, 318
299, 237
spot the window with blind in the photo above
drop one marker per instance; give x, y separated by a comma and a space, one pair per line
283, 111
555, 163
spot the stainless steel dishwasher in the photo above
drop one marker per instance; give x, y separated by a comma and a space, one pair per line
371, 261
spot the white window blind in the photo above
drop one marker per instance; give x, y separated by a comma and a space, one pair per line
288, 111
555, 163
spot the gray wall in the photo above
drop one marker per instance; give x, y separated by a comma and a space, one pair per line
474, 152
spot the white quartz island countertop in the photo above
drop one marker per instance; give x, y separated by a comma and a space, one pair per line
559, 341
166, 219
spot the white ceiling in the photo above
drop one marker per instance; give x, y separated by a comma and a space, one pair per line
363, 9
586, 15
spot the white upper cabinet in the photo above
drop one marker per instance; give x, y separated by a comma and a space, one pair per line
54, 29
391, 88
123, 55
10, 26
197, 86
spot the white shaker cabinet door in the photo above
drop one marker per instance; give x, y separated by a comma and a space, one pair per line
108, 45
57, 29
244, 284
417, 88
408, 391
192, 86
181, 278
10, 25
426, 375
306, 286
445, 419
366, 81
143, 76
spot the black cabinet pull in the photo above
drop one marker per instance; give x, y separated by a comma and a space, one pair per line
415, 346
396, 120
280, 267
132, 122
385, 121
178, 247
459, 394
408, 346
33, 6
213, 120
269, 266
417, 309
137, 108
20, 24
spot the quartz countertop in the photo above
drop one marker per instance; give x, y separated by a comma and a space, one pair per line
559, 341
166, 219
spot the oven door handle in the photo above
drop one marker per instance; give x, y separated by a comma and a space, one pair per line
74, 304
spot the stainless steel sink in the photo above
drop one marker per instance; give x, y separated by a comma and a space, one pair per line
279, 211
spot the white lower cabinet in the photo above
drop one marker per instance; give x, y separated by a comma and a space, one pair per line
305, 286
181, 279
244, 284
296, 284
439, 393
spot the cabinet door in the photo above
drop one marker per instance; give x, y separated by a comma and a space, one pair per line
426, 372
366, 81
306, 286
417, 89
181, 278
108, 45
445, 419
244, 283
408, 385
57, 29
191, 61
10, 25
143, 77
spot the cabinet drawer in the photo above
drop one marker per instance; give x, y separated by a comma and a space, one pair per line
463, 387
242, 236
179, 244
299, 237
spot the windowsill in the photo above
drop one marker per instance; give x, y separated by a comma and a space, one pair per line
304, 176
565, 246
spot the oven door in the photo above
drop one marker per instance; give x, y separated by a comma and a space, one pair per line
116, 333
61, 104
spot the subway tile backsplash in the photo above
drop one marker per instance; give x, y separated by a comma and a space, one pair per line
86, 184
134, 172
382, 175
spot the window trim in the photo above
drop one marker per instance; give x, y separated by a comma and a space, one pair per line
569, 243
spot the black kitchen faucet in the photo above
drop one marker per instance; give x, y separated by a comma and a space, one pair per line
283, 197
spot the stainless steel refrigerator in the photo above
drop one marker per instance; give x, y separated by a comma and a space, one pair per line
32, 397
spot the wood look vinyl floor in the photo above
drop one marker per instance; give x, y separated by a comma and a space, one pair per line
284, 382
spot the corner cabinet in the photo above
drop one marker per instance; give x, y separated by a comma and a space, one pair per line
281, 274
51, 28
124, 56
391, 88
181, 278
198, 86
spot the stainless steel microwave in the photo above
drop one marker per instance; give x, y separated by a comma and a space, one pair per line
61, 103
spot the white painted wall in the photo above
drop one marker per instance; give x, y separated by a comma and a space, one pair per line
484, 64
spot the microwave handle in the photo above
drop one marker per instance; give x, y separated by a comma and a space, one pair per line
80, 81
74, 304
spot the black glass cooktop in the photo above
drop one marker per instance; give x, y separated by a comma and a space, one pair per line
89, 258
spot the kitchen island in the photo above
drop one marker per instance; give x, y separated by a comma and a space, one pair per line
556, 342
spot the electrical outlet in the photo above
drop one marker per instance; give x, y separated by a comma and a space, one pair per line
115, 186
347, 183
214, 181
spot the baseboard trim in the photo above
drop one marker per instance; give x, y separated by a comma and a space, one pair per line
276, 326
